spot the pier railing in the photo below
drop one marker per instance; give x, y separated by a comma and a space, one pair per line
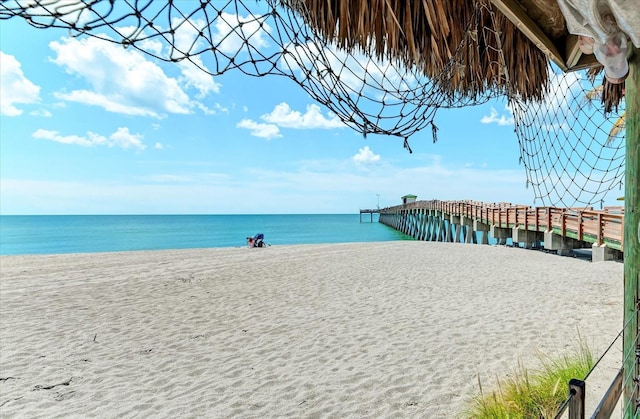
600, 227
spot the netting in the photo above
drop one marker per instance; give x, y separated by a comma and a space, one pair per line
572, 149
569, 147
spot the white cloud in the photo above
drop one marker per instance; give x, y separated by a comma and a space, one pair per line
14, 86
41, 112
194, 76
563, 88
365, 155
122, 138
158, 146
91, 138
267, 131
68, 10
495, 118
205, 110
560, 106
283, 116
216, 108
154, 47
194, 72
230, 35
109, 103
122, 80
357, 72
221, 108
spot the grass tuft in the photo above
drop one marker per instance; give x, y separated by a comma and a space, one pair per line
533, 394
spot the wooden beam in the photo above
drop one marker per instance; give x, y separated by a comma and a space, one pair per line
573, 52
585, 61
575, 59
513, 11
631, 234
610, 400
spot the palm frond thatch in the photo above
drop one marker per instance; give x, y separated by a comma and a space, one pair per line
619, 125
617, 128
428, 33
611, 94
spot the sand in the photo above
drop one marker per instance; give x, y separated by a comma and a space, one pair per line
368, 330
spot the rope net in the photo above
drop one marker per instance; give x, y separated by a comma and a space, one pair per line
572, 149
570, 146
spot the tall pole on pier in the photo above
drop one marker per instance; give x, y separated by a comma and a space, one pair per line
630, 341
378, 195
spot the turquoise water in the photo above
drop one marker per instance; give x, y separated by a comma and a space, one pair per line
49, 234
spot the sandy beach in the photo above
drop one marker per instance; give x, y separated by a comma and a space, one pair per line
370, 330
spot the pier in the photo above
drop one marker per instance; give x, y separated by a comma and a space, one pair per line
556, 229
370, 212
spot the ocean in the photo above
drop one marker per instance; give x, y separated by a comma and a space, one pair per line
55, 234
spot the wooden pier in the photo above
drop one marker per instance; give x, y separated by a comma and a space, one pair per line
370, 212
559, 229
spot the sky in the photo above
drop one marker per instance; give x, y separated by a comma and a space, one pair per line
89, 127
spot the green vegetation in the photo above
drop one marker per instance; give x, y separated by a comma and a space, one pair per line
536, 394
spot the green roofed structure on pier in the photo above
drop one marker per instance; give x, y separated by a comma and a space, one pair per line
409, 198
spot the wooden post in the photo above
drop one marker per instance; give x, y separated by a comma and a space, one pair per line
610, 399
580, 226
631, 233
600, 230
576, 404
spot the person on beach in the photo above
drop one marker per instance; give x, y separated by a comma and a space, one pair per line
256, 241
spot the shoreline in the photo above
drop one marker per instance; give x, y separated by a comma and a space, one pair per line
580, 254
398, 328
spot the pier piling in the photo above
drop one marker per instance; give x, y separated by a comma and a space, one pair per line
557, 229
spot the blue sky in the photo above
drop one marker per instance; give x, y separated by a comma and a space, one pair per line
88, 127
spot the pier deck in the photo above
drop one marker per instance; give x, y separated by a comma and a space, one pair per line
561, 229
370, 212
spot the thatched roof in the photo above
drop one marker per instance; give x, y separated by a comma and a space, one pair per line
427, 33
